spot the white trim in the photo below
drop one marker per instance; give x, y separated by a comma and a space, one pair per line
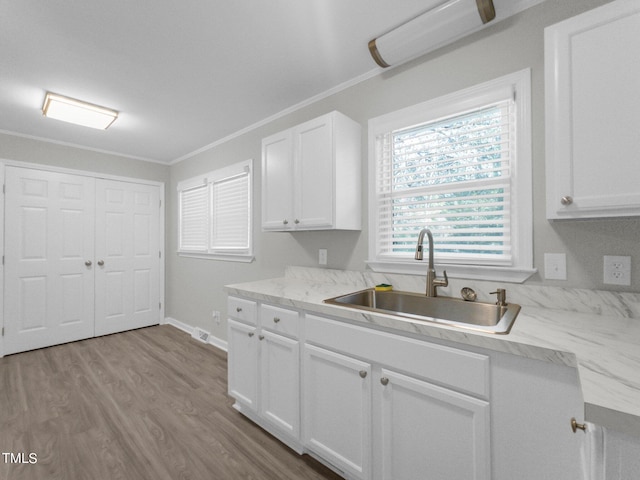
214, 341
81, 147
231, 257
522, 174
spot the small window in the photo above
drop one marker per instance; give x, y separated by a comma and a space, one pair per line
215, 214
459, 165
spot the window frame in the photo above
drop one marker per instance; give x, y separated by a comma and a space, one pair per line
208, 180
518, 85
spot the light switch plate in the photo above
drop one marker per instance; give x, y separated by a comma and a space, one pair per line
555, 266
322, 256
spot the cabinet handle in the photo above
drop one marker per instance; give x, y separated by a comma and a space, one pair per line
566, 200
261, 337
285, 221
276, 319
101, 262
88, 263
363, 373
577, 426
384, 381
251, 334
238, 309
296, 221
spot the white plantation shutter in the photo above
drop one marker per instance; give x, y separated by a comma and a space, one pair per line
215, 214
230, 220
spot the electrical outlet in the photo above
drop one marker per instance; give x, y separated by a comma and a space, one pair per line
617, 270
322, 256
216, 316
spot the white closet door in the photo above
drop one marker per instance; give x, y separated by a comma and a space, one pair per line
49, 242
127, 256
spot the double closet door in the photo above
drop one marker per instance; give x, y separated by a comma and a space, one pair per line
82, 257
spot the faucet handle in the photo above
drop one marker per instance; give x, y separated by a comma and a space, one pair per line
502, 296
442, 283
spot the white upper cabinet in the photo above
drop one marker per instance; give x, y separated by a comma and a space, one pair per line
592, 76
311, 176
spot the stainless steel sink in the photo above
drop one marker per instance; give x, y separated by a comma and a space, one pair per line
486, 317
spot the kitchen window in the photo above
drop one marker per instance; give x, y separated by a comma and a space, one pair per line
215, 214
459, 165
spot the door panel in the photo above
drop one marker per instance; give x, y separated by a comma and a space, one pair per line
127, 244
49, 228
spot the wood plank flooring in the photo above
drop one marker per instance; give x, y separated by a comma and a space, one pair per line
145, 404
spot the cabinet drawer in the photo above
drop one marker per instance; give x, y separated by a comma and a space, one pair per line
241, 309
459, 369
280, 320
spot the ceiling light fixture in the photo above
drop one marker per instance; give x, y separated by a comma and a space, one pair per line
434, 28
78, 112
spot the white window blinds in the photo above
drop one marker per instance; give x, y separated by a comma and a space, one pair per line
215, 214
453, 177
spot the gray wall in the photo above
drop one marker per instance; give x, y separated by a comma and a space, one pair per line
194, 287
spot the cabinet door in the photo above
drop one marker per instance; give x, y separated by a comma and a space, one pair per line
127, 265
314, 166
279, 382
337, 409
277, 182
49, 259
243, 363
432, 432
592, 107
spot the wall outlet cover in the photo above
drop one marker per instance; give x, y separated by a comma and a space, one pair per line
617, 270
555, 266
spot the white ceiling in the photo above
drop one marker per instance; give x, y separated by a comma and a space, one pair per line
183, 74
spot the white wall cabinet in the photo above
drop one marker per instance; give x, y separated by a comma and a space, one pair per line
311, 176
592, 121
264, 366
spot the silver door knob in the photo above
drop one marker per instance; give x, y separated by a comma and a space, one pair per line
251, 334
88, 263
101, 262
285, 221
566, 200
363, 373
296, 221
261, 337
238, 309
276, 319
384, 380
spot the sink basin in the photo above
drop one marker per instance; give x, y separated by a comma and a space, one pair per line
486, 317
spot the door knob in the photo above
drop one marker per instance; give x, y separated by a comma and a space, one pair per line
384, 381
566, 200
101, 262
88, 263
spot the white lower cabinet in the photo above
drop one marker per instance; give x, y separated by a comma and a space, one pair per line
337, 410
431, 432
264, 369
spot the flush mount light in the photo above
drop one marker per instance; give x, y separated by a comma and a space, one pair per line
78, 112
434, 28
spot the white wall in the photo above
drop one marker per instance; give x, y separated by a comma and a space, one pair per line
195, 286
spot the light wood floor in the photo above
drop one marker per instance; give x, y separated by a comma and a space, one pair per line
146, 404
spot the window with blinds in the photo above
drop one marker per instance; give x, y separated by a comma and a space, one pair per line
448, 165
215, 214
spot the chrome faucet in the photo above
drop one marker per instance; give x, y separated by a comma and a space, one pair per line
432, 281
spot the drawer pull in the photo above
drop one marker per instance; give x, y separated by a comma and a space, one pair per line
276, 319
363, 373
238, 309
384, 381
577, 426
261, 337
251, 334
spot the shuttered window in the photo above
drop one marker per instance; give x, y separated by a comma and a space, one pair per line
215, 214
452, 172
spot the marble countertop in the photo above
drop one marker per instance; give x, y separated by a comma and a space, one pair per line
603, 343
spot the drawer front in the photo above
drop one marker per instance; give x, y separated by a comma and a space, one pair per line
280, 320
241, 309
459, 369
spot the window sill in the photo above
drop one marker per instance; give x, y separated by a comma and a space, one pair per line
471, 272
242, 258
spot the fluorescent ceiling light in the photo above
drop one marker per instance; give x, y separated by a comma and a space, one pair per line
433, 29
78, 112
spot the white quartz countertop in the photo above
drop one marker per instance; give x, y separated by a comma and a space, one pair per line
604, 348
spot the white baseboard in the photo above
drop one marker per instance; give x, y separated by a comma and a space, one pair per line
215, 341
